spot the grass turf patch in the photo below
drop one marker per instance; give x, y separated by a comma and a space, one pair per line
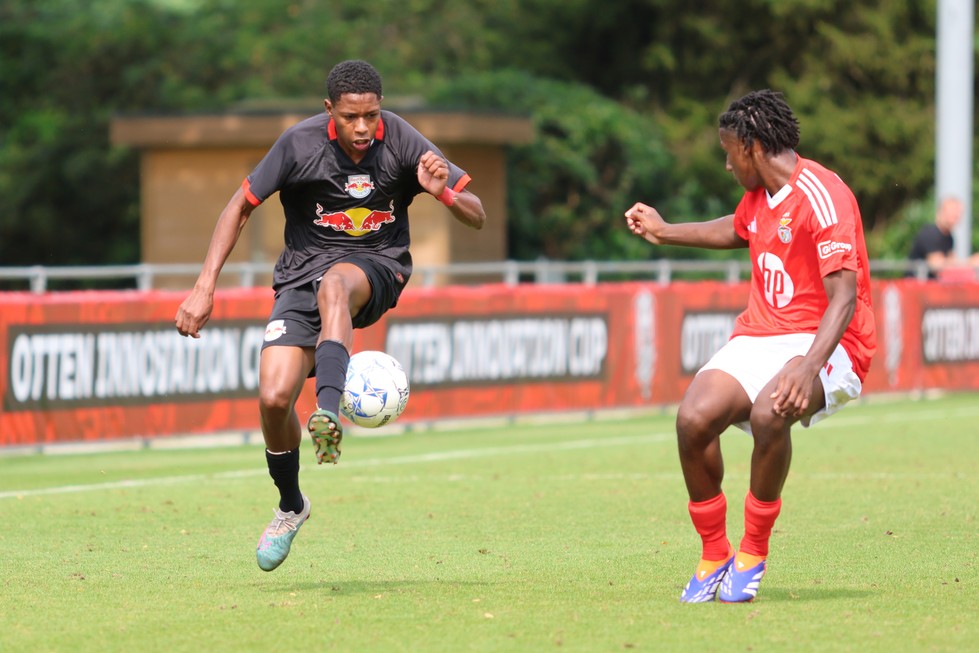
563, 536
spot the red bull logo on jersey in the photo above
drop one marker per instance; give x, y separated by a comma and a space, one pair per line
359, 186
355, 222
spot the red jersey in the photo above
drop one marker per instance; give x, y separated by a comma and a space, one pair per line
807, 230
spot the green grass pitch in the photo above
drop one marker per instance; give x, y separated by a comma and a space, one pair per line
562, 535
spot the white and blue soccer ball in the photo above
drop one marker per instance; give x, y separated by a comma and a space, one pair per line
376, 389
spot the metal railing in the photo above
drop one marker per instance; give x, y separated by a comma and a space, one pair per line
37, 277
145, 276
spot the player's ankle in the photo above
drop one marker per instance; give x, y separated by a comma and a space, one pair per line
744, 560
707, 567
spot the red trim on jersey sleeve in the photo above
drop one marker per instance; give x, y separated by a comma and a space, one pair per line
246, 186
462, 183
379, 134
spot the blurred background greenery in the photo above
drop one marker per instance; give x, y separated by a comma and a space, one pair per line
624, 96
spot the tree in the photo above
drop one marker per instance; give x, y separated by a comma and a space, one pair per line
860, 76
590, 161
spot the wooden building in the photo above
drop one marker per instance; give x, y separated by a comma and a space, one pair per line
190, 166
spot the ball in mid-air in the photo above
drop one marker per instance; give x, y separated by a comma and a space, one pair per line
375, 392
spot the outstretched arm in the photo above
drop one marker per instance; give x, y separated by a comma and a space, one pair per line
433, 175
647, 223
195, 311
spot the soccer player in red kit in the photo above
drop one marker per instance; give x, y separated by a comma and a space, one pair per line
798, 353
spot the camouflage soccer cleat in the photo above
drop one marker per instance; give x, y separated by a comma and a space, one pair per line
703, 588
325, 429
274, 545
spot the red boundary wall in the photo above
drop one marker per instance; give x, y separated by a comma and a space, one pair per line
104, 365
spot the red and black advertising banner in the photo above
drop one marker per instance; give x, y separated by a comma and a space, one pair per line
106, 365
103, 365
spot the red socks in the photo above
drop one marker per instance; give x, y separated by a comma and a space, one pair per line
710, 519
759, 518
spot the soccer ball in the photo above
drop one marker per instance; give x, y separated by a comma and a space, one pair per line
376, 389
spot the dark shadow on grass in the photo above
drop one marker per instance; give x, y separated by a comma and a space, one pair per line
355, 587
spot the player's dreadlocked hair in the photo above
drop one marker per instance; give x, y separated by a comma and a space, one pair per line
352, 76
763, 116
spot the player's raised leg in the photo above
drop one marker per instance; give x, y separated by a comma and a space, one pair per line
342, 292
281, 374
712, 402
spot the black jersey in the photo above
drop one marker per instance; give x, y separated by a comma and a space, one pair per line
929, 240
334, 207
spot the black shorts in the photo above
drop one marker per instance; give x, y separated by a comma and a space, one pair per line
295, 319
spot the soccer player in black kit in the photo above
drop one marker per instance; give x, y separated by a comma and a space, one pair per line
345, 179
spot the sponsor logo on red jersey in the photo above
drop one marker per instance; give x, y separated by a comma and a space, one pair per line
828, 248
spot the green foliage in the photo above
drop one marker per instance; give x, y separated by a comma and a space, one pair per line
590, 161
625, 96
864, 89
860, 78
69, 197
894, 242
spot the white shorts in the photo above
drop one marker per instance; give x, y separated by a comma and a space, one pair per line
755, 360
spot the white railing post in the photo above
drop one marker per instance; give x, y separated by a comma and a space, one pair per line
39, 279
511, 273
144, 280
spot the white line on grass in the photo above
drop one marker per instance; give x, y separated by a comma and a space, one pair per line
586, 477
436, 456
461, 454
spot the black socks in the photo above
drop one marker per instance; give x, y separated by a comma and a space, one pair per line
332, 359
284, 470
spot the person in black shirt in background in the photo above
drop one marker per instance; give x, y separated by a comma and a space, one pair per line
345, 179
934, 243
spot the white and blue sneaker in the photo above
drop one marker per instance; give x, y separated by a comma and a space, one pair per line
702, 588
274, 545
741, 585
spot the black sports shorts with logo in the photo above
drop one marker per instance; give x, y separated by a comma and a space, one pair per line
295, 319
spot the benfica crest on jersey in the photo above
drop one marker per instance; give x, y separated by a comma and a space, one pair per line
784, 233
359, 186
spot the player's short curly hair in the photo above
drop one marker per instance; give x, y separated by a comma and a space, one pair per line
353, 76
763, 116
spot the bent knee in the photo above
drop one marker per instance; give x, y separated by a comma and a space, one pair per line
275, 401
333, 287
766, 424
693, 424
688, 421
